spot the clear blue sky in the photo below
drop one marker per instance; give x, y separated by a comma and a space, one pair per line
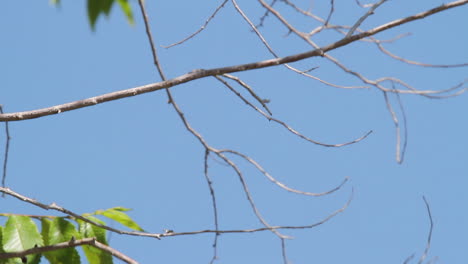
135, 152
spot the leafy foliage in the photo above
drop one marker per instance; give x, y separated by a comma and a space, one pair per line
21, 233
56, 231
98, 7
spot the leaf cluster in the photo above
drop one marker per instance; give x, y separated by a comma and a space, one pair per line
103, 7
21, 233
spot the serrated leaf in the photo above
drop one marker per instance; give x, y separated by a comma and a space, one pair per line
127, 9
94, 255
117, 214
20, 233
56, 231
95, 8
106, 6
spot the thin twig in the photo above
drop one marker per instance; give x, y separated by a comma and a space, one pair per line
198, 74
151, 41
250, 90
363, 5
385, 51
198, 135
364, 17
169, 234
429, 237
215, 208
397, 127
278, 183
321, 222
408, 259
283, 251
200, 29
332, 9
265, 15
291, 29
7, 148
285, 125
69, 244
55, 207
405, 126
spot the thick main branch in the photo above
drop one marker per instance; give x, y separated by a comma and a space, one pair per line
198, 74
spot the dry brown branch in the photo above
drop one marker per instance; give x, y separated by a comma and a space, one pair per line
171, 233
291, 29
363, 5
330, 13
399, 154
200, 29
283, 251
339, 64
215, 207
7, 148
198, 135
72, 243
262, 101
426, 93
405, 128
278, 183
364, 17
55, 207
429, 237
321, 222
265, 15
385, 51
197, 74
289, 128
249, 195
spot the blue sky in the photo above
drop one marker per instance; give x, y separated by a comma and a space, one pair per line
136, 153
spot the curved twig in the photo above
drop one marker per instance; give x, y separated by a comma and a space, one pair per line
200, 29
197, 74
278, 183
7, 148
290, 129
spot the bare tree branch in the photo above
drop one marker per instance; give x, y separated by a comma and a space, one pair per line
364, 17
215, 207
72, 243
321, 222
429, 237
7, 148
55, 207
385, 51
280, 184
200, 29
171, 233
289, 128
197, 74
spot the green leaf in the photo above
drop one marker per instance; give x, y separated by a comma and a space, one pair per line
117, 214
94, 255
95, 8
127, 9
1, 239
20, 233
4, 261
56, 231
55, 2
